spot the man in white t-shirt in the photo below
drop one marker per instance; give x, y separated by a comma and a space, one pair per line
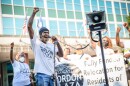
43, 53
20, 68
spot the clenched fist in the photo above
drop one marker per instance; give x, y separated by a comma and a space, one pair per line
12, 45
35, 9
118, 30
53, 38
125, 25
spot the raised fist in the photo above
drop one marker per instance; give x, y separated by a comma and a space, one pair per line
53, 38
125, 25
35, 9
118, 30
12, 45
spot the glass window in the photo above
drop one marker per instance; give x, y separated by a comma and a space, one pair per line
102, 8
76, 1
109, 10
77, 7
108, 4
117, 11
29, 10
60, 5
61, 14
60, 1
19, 25
94, 8
6, 1
6, 9
112, 30
18, 10
116, 4
8, 31
69, 7
94, 2
62, 25
110, 17
39, 3
44, 22
80, 29
50, 4
41, 12
123, 5
29, 3
101, 2
7, 22
63, 32
8, 26
54, 32
17, 2
124, 18
63, 28
72, 29
118, 18
78, 15
87, 8
53, 27
128, 7
124, 12
68, 1
52, 13
70, 14
86, 2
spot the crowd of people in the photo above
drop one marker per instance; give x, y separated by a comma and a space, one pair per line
46, 55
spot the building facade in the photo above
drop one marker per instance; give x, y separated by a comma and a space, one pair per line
62, 17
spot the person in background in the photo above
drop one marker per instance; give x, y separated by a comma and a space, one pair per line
107, 45
20, 68
66, 52
43, 53
126, 49
79, 54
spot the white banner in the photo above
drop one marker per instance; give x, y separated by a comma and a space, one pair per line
91, 72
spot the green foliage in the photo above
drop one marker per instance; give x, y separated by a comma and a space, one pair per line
128, 19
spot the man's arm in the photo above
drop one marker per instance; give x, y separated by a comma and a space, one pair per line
11, 52
118, 43
60, 51
30, 22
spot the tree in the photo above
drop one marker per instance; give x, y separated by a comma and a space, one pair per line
128, 19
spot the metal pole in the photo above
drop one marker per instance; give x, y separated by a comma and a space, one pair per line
103, 59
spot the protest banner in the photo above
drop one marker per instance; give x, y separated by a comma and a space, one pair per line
91, 73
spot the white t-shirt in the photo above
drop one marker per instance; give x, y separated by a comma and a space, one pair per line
107, 51
74, 57
21, 73
44, 56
